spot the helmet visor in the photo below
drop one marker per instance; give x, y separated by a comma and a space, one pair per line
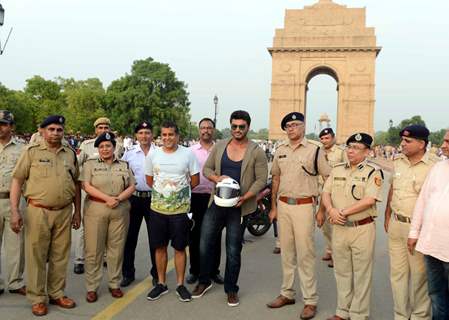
227, 193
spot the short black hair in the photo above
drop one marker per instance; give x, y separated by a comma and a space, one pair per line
240, 115
170, 124
206, 119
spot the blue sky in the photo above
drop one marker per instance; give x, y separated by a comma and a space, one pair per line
219, 47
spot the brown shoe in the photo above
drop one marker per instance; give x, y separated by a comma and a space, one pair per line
22, 291
91, 296
116, 293
233, 299
63, 302
200, 290
39, 309
280, 301
327, 256
308, 312
336, 318
276, 250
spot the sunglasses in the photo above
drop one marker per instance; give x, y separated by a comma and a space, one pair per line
240, 126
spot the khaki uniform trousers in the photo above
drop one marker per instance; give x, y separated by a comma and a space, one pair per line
79, 237
327, 233
14, 249
105, 229
407, 275
47, 238
353, 253
297, 225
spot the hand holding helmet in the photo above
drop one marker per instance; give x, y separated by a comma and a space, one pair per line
227, 193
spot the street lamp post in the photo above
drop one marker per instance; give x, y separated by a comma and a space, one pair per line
215, 114
2, 21
390, 123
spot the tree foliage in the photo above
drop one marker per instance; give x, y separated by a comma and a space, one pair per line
151, 92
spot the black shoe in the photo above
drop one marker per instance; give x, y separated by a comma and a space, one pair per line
105, 264
78, 268
126, 281
218, 279
183, 294
157, 292
191, 279
2, 291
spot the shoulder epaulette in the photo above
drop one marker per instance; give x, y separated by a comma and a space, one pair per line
375, 168
32, 145
124, 161
317, 143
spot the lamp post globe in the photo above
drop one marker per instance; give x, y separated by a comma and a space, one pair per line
2, 15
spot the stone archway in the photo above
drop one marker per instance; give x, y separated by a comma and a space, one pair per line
325, 38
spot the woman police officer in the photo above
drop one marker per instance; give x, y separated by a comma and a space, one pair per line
109, 183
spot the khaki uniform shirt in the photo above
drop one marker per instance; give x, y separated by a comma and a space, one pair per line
50, 177
9, 154
347, 186
407, 180
334, 156
289, 165
88, 151
110, 179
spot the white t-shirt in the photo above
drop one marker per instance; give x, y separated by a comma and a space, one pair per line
171, 179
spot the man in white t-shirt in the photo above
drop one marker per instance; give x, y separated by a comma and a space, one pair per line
171, 171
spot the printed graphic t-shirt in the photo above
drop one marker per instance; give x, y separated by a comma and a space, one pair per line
171, 179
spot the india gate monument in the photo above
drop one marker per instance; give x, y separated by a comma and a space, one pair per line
325, 38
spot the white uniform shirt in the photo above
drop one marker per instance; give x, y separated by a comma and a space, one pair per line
136, 159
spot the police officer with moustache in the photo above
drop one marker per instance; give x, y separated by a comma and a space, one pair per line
296, 166
108, 183
140, 201
408, 271
49, 174
88, 151
349, 196
334, 154
10, 150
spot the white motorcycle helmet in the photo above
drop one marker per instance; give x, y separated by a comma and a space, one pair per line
227, 193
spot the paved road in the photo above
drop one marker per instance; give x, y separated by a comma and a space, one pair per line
260, 280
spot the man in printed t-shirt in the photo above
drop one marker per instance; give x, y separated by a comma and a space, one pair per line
171, 171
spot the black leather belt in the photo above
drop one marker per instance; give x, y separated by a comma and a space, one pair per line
142, 194
358, 222
4, 195
402, 218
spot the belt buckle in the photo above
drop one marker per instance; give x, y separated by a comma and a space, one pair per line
349, 223
291, 201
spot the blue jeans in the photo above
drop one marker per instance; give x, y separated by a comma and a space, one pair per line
438, 283
215, 219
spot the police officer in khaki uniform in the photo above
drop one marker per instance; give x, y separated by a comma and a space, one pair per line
407, 272
49, 172
334, 154
88, 151
296, 166
349, 196
10, 150
109, 183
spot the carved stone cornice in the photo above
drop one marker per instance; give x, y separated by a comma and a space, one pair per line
324, 49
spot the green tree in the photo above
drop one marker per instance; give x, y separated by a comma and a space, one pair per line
151, 92
85, 100
19, 104
436, 138
45, 98
381, 138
